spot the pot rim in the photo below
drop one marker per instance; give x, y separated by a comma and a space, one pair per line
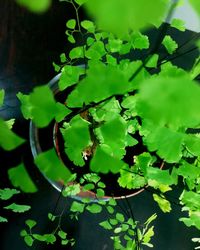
36, 150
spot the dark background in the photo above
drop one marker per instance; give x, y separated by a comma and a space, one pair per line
29, 43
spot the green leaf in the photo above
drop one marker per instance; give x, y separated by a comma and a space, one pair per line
128, 179
195, 71
2, 95
136, 14
7, 193
113, 134
103, 162
71, 23
62, 234
51, 217
89, 186
62, 112
120, 217
113, 222
49, 238
185, 101
2, 219
153, 61
94, 208
117, 230
30, 223
105, 225
77, 139
178, 24
63, 58
23, 233
77, 52
111, 210
194, 220
139, 41
64, 242
191, 200
71, 39
188, 171
72, 189
77, 207
10, 123
148, 235
195, 5
69, 76
8, 139
20, 178
26, 106
39, 237
96, 51
114, 83
114, 45
18, 208
36, 6
112, 202
192, 142
28, 240
51, 166
169, 44
163, 203
80, 2
161, 176
88, 25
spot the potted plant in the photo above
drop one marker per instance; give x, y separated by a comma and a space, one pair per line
115, 125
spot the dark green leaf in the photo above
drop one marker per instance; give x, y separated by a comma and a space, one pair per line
20, 178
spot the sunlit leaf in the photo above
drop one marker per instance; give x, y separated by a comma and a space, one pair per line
164, 204
94, 208
18, 208
77, 207
8, 139
20, 178
169, 44
178, 24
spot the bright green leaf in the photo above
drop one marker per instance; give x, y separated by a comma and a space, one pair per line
105, 225
30, 223
49, 238
77, 207
88, 25
120, 217
62, 234
71, 23
178, 24
195, 5
51, 166
94, 208
7, 193
139, 41
77, 52
2, 219
8, 139
80, 2
163, 203
18, 208
20, 178
153, 61
169, 44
